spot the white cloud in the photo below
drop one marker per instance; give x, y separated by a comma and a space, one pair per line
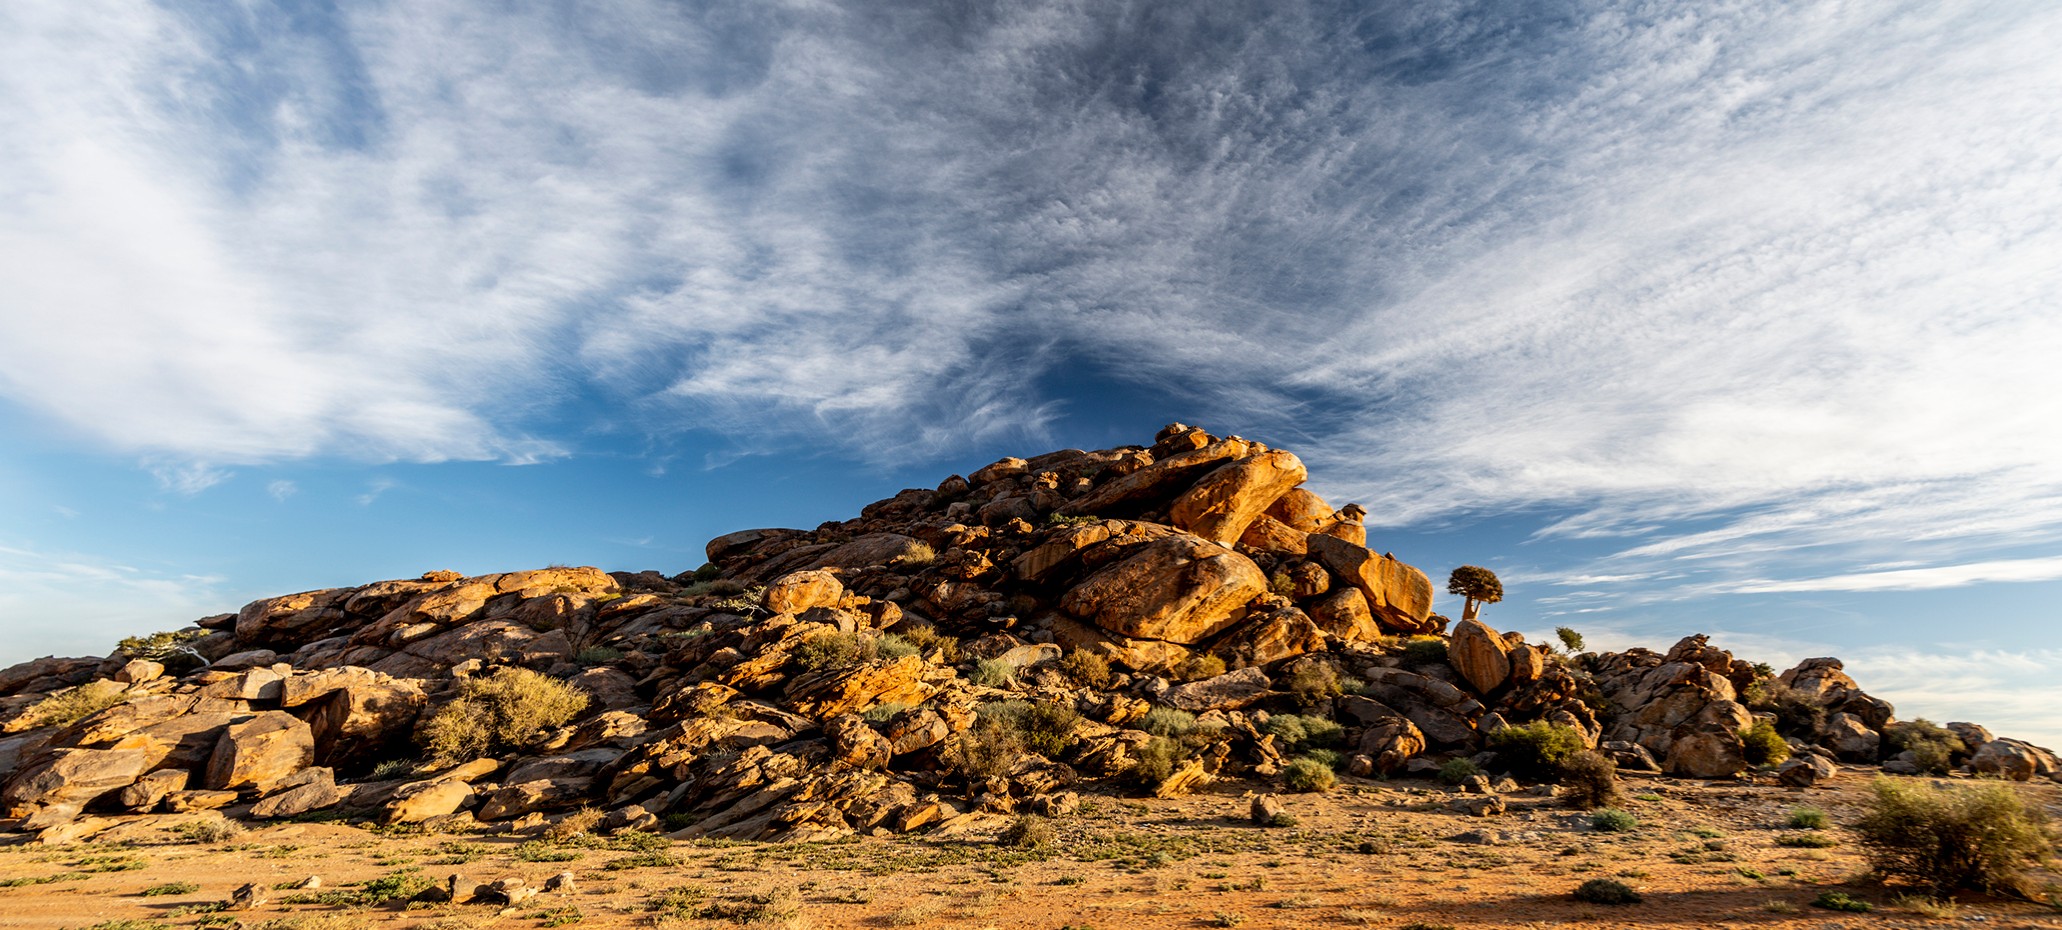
77, 604
1917, 579
282, 489
186, 478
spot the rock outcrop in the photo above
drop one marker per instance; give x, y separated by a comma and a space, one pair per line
954, 653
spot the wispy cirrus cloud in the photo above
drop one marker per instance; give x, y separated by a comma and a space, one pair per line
1745, 287
56, 601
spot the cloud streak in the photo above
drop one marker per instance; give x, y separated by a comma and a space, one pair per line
1742, 288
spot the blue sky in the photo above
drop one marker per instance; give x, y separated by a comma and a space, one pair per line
1737, 318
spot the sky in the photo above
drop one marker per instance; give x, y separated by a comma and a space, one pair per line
1741, 317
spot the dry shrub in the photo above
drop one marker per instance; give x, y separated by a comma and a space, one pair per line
1043, 727
1156, 761
1030, 832
1948, 837
1200, 667
1088, 669
928, 638
506, 710
75, 704
1762, 745
1536, 750
1307, 774
833, 651
1314, 681
1591, 779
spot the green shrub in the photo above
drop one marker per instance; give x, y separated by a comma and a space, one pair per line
1307, 774
1424, 650
1763, 746
994, 673
1455, 771
169, 888
989, 748
1166, 721
598, 655
833, 651
508, 709
1933, 747
1030, 831
1839, 901
1200, 667
1591, 779
1952, 837
1797, 713
882, 713
1806, 841
927, 638
1536, 750
893, 646
1570, 640
1087, 669
1294, 731
1156, 760
75, 704
709, 571
1327, 756
1613, 820
1315, 681
1043, 727
1606, 891
1807, 818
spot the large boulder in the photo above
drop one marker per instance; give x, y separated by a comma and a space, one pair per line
260, 752
59, 784
1229, 691
796, 592
353, 712
1156, 481
1852, 740
835, 692
2012, 760
1479, 654
1222, 505
1391, 742
1270, 638
1181, 589
1399, 595
1343, 612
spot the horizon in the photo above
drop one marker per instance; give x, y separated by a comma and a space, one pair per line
1730, 322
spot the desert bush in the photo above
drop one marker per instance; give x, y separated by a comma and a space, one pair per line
1307, 774
1201, 667
1315, 681
1087, 669
1570, 640
1807, 841
1763, 745
1606, 891
1281, 585
508, 709
1156, 760
882, 713
75, 704
1536, 750
1295, 731
1797, 713
1933, 747
709, 571
989, 748
928, 638
1807, 818
597, 655
918, 555
1952, 837
1030, 831
894, 646
1841, 901
1043, 727
1424, 650
169, 888
994, 673
209, 831
1455, 771
1591, 779
833, 651
1166, 721
1613, 820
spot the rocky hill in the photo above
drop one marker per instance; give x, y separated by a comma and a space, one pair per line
1143, 619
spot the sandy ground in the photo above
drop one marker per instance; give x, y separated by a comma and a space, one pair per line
1372, 854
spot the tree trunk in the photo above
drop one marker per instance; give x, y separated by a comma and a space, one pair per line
1472, 608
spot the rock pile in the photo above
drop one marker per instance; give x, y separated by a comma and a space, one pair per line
1156, 616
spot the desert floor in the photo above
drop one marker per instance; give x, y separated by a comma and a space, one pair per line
1372, 854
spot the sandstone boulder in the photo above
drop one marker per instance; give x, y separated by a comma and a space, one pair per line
796, 592
419, 801
311, 789
152, 788
1269, 638
1229, 691
1344, 613
1391, 743
2008, 759
260, 752
857, 745
1479, 654
1805, 771
1180, 589
1851, 740
1400, 596
55, 787
1156, 481
1225, 502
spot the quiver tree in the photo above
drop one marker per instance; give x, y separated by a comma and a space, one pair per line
1478, 585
